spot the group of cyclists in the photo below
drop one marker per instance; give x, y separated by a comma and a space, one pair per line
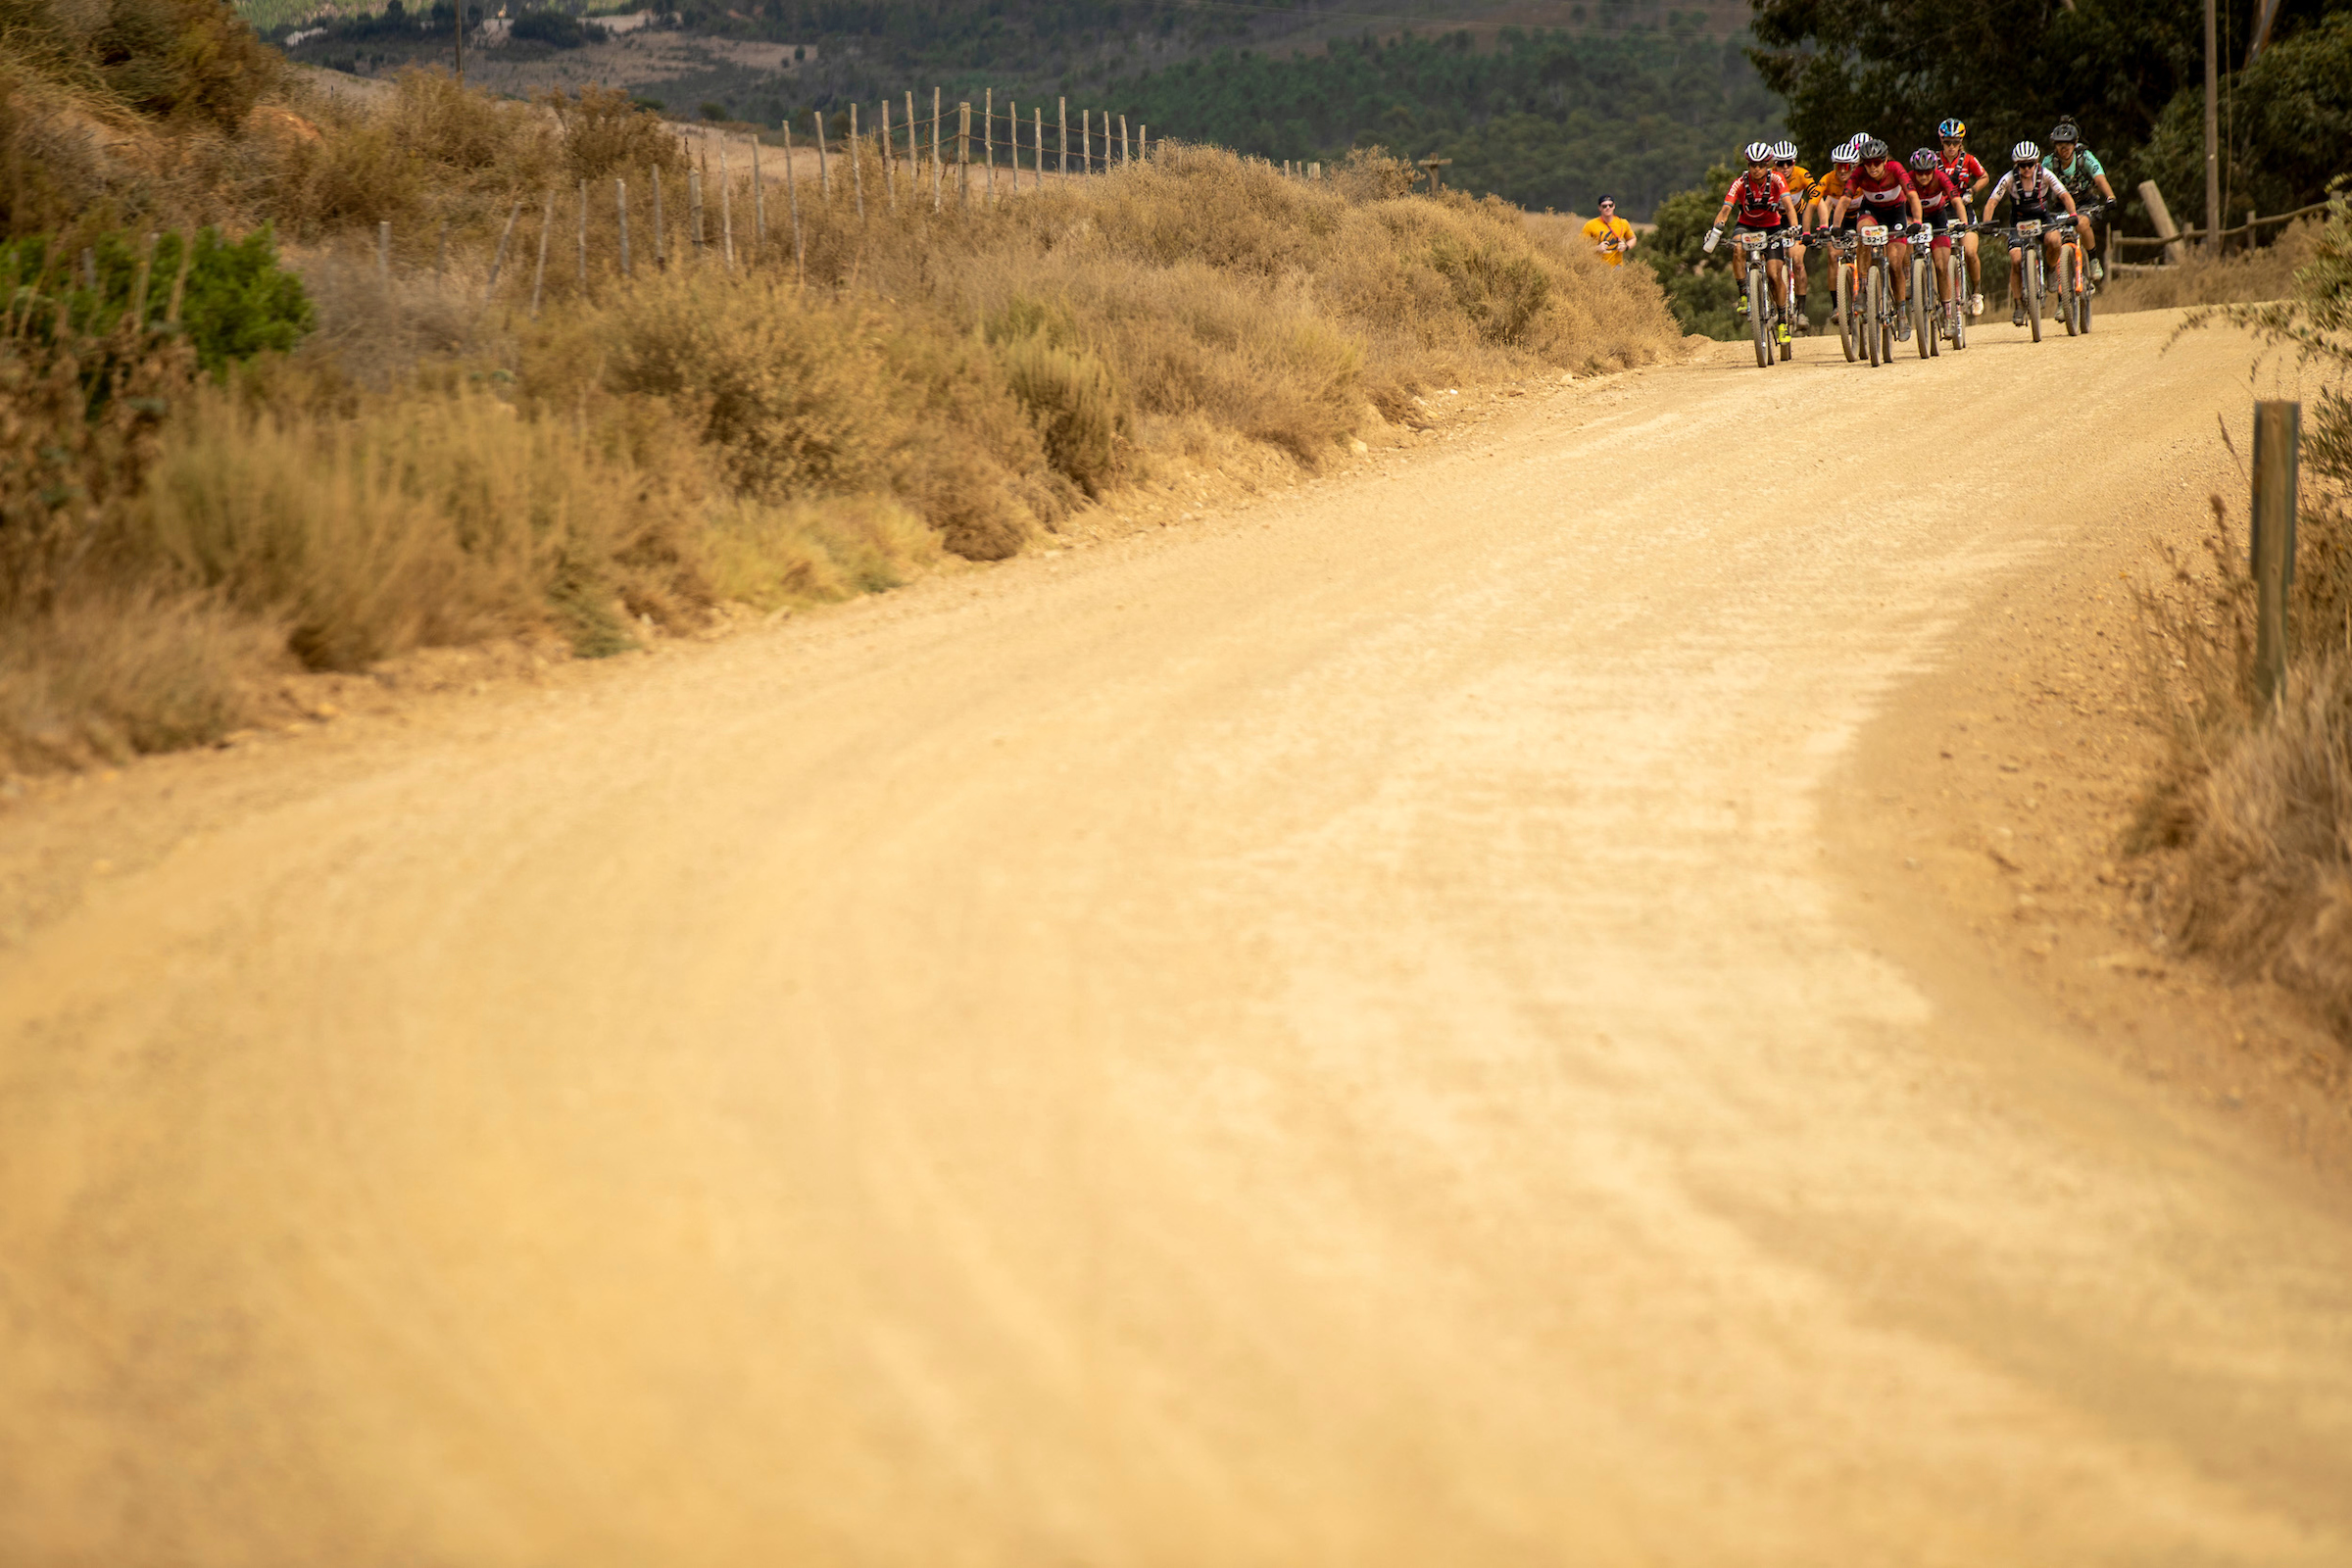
1932, 199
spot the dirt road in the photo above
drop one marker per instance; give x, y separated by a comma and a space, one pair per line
1325, 1036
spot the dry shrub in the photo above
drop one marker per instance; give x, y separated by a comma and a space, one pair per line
807, 395
811, 552
424, 520
102, 675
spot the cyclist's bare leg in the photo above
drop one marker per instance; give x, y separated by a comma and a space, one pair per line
1776, 277
1976, 268
1898, 262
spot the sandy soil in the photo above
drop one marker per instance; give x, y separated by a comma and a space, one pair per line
1458, 1013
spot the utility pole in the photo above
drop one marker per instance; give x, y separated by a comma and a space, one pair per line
2213, 138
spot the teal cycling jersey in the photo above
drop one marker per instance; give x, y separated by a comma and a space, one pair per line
2077, 175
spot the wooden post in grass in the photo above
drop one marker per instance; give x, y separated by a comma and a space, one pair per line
963, 154
890, 174
1126, 156
660, 256
824, 164
759, 202
693, 211
2277, 439
490, 289
621, 210
726, 206
939, 173
1037, 144
792, 194
1086, 141
915, 158
547, 222
1143, 142
856, 166
2176, 249
1063, 108
988, 137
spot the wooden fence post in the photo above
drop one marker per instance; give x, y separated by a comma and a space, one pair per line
547, 222
963, 154
2278, 438
1125, 156
1063, 108
939, 173
792, 194
759, 202
915, 158
2176, 250
890, 176
857, 165
726, 206
489, 288
1086, 141
660, 256
824, 165
620, 208
988, 137
693, 211
1037, 144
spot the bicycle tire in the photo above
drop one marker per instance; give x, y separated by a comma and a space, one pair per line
2083, 307
1758, 318
1844, 305
1871, 325
2069, 273
2032, 282
1959, 271
1923, 330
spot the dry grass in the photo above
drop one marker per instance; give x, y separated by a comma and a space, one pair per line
2242, 277
2255, 809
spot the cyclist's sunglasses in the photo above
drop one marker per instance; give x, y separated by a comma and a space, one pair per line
1785, 163
1955, 141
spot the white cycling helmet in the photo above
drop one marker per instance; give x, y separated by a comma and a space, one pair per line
1845, 152
2024, 152
1759, 152
1785, 149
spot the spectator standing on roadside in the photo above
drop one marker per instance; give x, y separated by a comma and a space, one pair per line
1613, 234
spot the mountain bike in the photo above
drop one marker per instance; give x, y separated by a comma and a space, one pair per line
2025, 238
1878, 294
1766, 319
2073, 280
1845, 286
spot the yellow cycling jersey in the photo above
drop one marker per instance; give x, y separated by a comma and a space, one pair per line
1830, 187
1800, 183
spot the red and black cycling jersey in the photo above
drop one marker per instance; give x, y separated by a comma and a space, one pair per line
1965, 173
1758, 204
1936, 196
1880, 194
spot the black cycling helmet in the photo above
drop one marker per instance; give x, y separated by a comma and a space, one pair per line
1873, 150
1925, 160
2066, 130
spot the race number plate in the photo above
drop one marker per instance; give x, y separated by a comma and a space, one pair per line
2029, 228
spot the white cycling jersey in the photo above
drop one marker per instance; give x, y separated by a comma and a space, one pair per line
2040, 190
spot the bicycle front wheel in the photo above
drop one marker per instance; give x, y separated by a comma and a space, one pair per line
1759, 317
1844, 305
1923, 289
2032, 282
1959, 271
2070, 278
1872, 302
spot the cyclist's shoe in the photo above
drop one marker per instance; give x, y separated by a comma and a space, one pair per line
1975, 305
2098, 270
1782, 332
1902, 327
2017, 314
1739, 307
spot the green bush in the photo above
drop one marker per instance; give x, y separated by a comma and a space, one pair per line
236, 303
1066, 389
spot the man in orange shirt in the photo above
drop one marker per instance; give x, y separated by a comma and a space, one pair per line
1613, 234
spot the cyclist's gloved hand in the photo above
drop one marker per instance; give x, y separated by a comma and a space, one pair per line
1708, 244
